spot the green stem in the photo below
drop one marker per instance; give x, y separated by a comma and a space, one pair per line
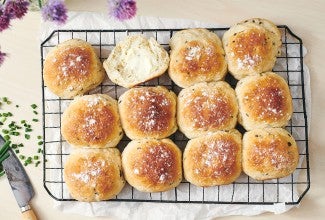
4, 148
40, 4
5, 156
2, 172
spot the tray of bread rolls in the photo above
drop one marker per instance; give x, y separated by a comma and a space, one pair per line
214, 116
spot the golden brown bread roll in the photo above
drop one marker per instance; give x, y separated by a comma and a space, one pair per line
151, 165
264, 101
269, 153
92, 121
196, 56
148, 112
213, 159
206, 107
94, 174
251, 47
72, 68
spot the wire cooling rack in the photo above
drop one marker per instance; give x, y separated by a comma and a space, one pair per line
289, 190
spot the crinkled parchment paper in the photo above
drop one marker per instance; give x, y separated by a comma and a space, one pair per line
148, 210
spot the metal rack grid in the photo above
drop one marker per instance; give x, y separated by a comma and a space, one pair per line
244, 190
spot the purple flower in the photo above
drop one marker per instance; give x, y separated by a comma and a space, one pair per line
122, 9
56, 11
2, 57
16, 8
4, 19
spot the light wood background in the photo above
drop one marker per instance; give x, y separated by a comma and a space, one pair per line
20, 80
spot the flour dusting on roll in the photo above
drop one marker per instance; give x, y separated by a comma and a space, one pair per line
72, 68
213, 159
264, 101
269, 153
196, 56
251, 47
148, 112
205, 108
152, 165
94, 174
92, 121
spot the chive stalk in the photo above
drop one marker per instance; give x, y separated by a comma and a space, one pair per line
4, 156
4, 148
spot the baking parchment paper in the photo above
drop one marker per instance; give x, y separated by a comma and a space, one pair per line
147, 210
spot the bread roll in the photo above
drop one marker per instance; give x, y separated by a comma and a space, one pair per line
148, 112
214, 159
269, 153
92, 121
136, 60
251, 47
94, 174
152, 165
264, 101
206, 107
72, 68
196, 56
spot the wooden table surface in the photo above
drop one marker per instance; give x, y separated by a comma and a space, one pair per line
20, 81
